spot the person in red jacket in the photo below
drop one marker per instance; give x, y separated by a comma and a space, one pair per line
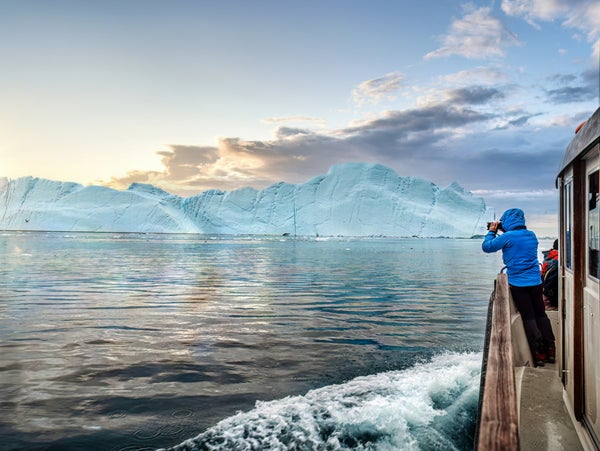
550, 277
549, 255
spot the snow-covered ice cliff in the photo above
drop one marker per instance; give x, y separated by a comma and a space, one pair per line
353, 199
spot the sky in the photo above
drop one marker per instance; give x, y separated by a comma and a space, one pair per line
196, 95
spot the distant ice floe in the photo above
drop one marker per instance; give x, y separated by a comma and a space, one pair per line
352, 199
429, 406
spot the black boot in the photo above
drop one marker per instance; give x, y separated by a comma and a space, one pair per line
539, 358
539, 354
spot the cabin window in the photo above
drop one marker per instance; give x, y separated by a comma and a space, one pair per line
568, 212
593, 223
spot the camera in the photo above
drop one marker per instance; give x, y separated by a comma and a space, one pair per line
499, 226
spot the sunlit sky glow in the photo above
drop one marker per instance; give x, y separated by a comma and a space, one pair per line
193, 95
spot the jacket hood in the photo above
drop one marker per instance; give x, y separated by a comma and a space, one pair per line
512, 218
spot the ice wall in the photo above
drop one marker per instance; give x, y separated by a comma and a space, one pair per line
352, 199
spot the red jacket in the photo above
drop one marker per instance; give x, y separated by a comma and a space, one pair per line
550, 255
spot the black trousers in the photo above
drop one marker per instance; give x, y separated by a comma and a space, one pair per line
530, 303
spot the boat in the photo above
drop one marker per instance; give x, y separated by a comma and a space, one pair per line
557, 406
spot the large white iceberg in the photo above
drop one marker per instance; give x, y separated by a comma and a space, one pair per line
353, 199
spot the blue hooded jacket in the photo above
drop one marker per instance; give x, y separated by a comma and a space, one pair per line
519, 249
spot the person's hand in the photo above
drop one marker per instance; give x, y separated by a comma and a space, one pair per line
494, 226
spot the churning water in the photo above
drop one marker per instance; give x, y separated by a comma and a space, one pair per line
136, 341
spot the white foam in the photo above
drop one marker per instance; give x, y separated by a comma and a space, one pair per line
428, 406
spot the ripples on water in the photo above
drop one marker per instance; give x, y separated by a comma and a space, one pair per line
142, 341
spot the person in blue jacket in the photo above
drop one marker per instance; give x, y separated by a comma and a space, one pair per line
520, 255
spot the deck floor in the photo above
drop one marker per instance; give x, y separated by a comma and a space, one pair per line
545, 423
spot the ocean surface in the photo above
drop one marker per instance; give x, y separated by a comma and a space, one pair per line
141, 341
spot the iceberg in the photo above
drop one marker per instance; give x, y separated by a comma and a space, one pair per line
352, 199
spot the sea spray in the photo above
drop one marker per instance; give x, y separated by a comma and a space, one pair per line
431, 405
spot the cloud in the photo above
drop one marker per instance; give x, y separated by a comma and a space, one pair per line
419, 120
135, 176
534, 10
475, 95
507, 194
514, 119
182, 165
183, 162
477, 35
570, 89
378, 89
585, 16
582, 15
290, 132
480, 76
295, 120
568, 94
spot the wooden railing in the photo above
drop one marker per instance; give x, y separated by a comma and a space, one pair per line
498, 422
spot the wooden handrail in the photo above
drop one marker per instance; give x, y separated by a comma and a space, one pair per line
498, 422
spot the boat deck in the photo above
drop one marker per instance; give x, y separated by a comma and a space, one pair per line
544, 421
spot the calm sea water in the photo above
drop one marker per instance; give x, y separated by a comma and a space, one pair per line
123, 342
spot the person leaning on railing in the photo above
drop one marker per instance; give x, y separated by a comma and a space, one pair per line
519, 252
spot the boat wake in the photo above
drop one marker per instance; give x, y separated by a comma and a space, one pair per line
431, 405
